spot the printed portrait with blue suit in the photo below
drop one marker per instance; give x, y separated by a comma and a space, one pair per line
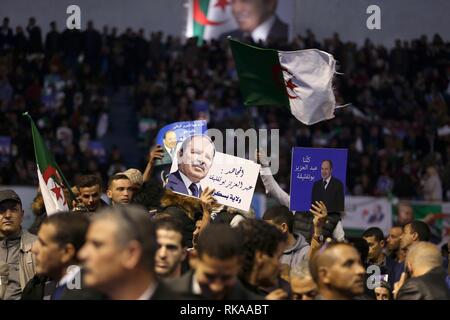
194, 158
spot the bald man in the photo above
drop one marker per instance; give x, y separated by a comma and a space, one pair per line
338, 272
424, 278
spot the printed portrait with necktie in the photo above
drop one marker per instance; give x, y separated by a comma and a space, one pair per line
328, 189
194, 158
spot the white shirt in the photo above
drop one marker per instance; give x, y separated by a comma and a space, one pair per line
149, 292
188, 183
261, 32
196, 286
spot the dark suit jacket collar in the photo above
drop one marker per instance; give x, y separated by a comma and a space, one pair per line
175, 178
238, 292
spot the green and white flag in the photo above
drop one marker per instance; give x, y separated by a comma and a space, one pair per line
207, 19
51, 180
301, 80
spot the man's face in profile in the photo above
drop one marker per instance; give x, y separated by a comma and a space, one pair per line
196, 160
346, 274
249, 14
170, 139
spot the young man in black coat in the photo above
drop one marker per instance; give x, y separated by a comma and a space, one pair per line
216, 263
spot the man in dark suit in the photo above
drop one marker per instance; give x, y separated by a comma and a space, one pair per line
257, 20
329, 189
119, 255
195, 158
217, 261
168, 148
58, 276
427, 276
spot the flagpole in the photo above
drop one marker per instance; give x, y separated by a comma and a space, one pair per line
71, 194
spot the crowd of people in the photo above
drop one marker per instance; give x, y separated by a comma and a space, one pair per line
151, 243
395, 129
148, 242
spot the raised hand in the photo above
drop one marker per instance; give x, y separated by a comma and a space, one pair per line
207, 200
156, 152
320, 212
262, 158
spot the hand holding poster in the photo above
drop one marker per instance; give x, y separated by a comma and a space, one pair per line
197, 165
233, 180
173, 134
318, 174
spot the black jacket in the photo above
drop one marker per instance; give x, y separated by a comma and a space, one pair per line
430, 286
332, 196
183, 286
164, 292
36, 287
278, 32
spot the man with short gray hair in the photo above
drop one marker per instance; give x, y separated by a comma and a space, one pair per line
119, 255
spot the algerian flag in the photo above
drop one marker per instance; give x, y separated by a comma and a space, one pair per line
208, 19
49, 175
299, 79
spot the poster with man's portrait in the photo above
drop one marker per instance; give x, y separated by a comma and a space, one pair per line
197, 166
253, 20
173, 134
318, 174
170, 138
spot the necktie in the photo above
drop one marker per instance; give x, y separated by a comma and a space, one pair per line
324, 183
194, 189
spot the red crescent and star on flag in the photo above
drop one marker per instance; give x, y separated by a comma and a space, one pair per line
50, 172
200, 17
290, 85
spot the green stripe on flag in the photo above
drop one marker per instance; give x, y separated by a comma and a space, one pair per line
199, 29
44, 158
260, 75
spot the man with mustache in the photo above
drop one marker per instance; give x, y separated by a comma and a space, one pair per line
15, 245
257, 21
195, 158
